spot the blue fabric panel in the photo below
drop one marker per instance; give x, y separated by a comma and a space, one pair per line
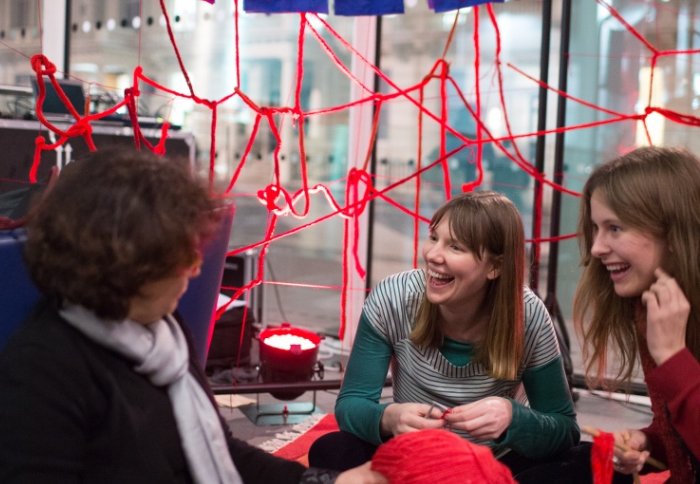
446, 5
368, 7
18, 294
285, 6
198, 305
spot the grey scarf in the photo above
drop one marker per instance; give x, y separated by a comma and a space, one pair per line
159, 351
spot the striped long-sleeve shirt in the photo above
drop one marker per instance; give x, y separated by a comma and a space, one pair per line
544, 421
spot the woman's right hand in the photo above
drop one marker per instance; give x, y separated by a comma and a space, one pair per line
630, 461
399, 418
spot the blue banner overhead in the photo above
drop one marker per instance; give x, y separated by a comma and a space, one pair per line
351, 7
447, 5
285, 6
368, 7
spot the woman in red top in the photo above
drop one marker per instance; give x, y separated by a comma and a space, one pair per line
639, 296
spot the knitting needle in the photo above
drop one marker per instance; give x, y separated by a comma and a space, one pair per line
438, 406
623, 447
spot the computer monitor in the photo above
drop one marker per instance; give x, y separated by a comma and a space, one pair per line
52, 102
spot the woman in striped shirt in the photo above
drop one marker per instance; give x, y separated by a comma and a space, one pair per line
468, 346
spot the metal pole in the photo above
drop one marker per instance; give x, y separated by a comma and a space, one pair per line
554, 227
557, 177
66, 38
373, 162
540, 146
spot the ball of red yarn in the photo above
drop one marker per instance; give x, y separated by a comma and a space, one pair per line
438, 456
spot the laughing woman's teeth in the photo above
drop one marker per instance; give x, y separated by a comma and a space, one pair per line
439, 279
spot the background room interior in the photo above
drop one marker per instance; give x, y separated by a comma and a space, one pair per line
335, 137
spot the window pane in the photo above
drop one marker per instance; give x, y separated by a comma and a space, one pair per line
411, 45
133, 33
610, 67
19, 40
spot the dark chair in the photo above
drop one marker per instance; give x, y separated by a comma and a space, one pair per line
18, 294
198, 305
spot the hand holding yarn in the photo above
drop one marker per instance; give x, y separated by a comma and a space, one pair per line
399, 418
632, 460
487, 418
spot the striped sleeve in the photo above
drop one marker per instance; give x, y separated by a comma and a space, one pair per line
392, 305
541, 345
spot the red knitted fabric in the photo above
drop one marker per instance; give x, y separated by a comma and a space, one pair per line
438, 456
602, 458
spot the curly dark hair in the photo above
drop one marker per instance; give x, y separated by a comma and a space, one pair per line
114, 221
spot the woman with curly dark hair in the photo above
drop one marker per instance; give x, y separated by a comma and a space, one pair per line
100, 384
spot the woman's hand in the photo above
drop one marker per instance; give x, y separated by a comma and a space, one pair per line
399, 418
487, 418
667, 317
630, 461
361, 475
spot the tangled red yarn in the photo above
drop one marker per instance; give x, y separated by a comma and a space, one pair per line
438, 456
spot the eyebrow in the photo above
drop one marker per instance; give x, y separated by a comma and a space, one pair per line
608, 221
605, 224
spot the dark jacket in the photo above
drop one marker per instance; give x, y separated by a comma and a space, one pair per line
73, 411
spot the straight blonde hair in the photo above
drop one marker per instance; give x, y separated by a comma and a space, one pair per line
489, 225
656, 191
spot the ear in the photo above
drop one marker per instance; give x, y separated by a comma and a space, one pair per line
495, 271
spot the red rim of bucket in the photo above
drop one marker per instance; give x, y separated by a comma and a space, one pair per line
286, 329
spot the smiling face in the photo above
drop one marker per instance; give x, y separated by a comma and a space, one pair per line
457, 279
629, 255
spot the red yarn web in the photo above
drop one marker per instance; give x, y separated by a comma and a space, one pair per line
360, 188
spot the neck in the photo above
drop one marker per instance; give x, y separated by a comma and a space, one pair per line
463, 326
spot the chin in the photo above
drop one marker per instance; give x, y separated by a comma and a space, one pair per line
628, 292
435, 300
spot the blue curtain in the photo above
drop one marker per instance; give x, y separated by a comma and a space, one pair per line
352, 7
282, 6
446, 5
368, 7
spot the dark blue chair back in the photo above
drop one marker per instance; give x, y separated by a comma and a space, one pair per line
198, 305
18, 294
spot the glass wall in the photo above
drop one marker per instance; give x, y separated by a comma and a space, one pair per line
411, 138
611, 68
109, 40
19, 40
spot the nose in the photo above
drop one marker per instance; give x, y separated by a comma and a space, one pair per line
600, 246
432, 252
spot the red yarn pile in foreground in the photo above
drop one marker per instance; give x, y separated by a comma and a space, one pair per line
438, 456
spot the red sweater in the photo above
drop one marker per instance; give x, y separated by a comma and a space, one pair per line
674, 390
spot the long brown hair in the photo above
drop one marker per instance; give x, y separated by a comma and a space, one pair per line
656, 191
489, 225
